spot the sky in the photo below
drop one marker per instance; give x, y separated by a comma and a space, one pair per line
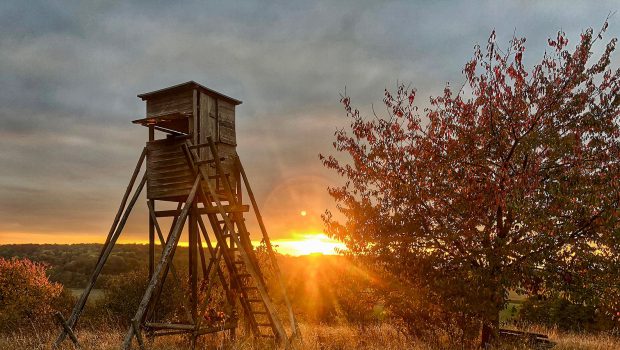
70, 72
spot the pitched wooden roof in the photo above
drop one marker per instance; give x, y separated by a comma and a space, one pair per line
186, 86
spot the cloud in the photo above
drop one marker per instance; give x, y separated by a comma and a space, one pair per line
70, 71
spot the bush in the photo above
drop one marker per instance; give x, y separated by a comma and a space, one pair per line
26, 294
566, 315
124, 292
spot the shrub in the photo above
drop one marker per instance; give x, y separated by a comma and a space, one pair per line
561, 312
124, 292
26, 294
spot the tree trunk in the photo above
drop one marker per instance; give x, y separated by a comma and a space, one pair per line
490, 330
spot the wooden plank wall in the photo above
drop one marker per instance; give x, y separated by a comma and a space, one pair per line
181, 102
168, 176
208, 121
226, 123
228, 151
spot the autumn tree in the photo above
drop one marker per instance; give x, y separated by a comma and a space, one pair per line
26, 294
510, 182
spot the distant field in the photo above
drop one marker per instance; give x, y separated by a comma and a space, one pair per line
95, 294
512, 308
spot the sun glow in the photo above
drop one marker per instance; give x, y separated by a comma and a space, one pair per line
308, 243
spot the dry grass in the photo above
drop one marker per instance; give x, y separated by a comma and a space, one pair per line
574, 341
315, 337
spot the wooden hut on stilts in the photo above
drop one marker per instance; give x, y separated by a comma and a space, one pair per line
195, 166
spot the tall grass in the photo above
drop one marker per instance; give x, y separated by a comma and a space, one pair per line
315, 337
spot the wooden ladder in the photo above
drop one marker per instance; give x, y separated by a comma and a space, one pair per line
238, 253
233, 245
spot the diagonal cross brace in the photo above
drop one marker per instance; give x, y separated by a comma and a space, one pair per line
163, 263
115, 231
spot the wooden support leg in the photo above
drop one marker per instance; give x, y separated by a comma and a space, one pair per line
136, 328
67, 329
79, 306
175, 275
164, 262
155, 300
193, 261
121, 207
203, 258
151, 204
213, 252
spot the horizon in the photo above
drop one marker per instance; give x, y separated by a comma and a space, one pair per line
323, 245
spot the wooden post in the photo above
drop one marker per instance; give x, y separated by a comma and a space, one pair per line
121, 207
158, 290
67, 329
203, 259
151, 225
162, 241
151, 204
79, 306
136, 328
164, 262
193, 261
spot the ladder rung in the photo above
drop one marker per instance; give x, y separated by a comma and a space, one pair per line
250, 288
264, 324
255, 300
259, 312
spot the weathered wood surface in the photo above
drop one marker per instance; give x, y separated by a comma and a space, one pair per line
226, 123
267, 240
535, 340
208, 120
166, 257
171, 267
138, 332
249, 263
68, 330
174, 102
117, 227
228, 208
169, 176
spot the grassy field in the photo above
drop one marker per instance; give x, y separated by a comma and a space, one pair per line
315, 337
95, 294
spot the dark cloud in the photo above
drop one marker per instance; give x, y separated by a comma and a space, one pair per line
70, 70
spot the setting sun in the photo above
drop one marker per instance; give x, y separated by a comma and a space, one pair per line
303, 213
308, 243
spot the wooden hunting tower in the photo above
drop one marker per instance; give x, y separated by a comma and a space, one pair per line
196, 166
192, 111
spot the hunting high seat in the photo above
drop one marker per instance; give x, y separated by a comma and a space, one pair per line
195, 165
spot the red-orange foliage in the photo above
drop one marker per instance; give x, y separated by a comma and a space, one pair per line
507, 183
26, 294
